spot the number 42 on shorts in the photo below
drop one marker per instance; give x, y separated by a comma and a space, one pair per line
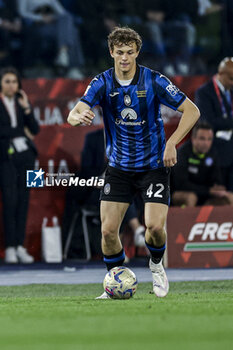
159, 188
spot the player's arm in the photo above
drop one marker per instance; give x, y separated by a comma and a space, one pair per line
81, 114
190, 115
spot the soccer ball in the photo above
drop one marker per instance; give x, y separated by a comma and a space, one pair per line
120, 283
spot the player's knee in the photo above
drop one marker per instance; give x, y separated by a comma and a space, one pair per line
156, 228
109, 234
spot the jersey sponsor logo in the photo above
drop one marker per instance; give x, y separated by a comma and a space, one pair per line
129, 113
127, 100
122, 122
172, 89
114, 94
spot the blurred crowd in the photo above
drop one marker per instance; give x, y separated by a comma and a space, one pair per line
68, 38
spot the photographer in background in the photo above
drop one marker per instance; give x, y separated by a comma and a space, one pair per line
17, 153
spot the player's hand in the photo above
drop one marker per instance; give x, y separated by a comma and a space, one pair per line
85, 118
170, 155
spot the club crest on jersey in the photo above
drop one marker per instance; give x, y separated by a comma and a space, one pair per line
127, 100
129, 113
172, 89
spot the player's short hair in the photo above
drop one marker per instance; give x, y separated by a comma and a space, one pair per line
124, 35
201, 125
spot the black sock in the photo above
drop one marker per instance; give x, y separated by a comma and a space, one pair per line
156, 252
114, 260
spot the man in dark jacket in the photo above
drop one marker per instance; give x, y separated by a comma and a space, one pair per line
197, 176
214, 100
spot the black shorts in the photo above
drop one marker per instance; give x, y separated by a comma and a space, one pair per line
121, 186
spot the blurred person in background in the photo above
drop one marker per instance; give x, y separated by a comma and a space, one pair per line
17, 153
196, 177
48, 25
171, 33
227, 28
92, 32
10, 33
214, 100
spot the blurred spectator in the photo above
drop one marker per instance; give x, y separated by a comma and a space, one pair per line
172, 33
10, 29
206, 7
196, 176
227, 27
47, 26
17, 154
94, 164
92, 32
214, 100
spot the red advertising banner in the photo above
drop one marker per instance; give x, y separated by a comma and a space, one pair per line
200, 237
52, 99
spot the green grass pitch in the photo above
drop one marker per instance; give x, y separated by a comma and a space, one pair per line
194, 316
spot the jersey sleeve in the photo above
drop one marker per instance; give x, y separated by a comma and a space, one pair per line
167, 93
94, 92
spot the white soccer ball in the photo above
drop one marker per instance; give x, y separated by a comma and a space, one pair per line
120, 283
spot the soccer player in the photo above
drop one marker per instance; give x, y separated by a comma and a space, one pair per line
139, 159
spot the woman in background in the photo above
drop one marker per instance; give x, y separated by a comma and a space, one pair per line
17, 154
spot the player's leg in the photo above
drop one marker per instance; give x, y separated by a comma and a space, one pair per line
155, 237
115, 198
155, 219
112, 214
156, 195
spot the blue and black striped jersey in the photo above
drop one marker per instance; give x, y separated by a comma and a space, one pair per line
135, 138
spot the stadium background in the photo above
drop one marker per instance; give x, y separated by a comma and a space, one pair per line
51, 306
52, 95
